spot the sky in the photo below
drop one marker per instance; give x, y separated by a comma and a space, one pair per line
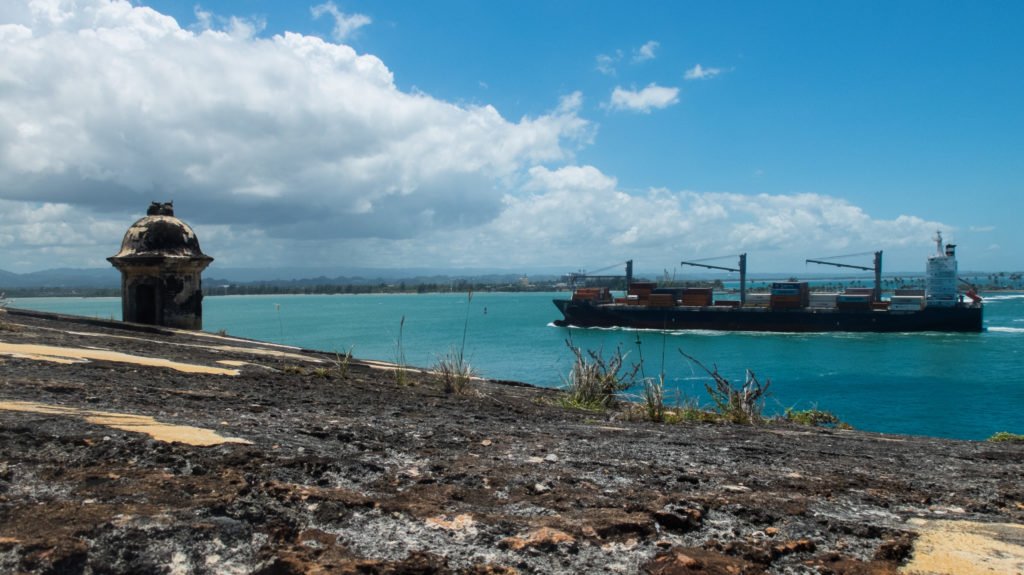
520, 136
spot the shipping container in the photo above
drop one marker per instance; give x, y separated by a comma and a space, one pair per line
661, 300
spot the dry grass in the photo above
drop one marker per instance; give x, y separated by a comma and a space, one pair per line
595, 381
454, 371
735, 404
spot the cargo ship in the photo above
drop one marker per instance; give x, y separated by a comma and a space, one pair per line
788, 306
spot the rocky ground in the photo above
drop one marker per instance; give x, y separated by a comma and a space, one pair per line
115, 459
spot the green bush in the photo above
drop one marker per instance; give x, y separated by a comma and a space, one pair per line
1006, 436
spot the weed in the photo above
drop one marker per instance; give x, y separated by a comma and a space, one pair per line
4, 325
222, 332
401, 377
736, 405
342, 361
454, 371
595, 382
653, 399
1006, 436
297, 369
322, 372
452, 367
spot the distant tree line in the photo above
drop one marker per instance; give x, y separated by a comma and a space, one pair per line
216, 287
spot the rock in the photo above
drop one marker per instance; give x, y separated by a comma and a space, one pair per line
543, 539
679, 519
685, 560
541, 488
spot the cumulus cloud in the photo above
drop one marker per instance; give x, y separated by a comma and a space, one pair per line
107, 106
649, 98
576, 215
344, 24
292, 150
645, 52
699, 72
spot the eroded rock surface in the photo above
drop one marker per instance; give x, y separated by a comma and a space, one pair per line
353, 473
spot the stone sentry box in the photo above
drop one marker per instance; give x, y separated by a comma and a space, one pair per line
161, 266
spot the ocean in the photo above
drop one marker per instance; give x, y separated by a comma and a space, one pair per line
965, 386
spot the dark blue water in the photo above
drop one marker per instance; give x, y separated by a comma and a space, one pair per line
948, 385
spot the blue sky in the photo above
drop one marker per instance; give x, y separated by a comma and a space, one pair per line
517, 135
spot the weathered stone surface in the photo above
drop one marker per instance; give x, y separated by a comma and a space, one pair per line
350, 473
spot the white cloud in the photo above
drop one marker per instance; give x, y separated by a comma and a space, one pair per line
645, 52
108, 106
576, 215
606, 62
698, 72
344, 24
645, 100
292, 150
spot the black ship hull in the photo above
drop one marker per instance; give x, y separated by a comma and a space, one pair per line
959, 318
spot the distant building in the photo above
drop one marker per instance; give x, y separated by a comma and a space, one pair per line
161, 266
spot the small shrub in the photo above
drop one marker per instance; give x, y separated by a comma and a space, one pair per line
653, 399
4, 325
297, 369
813, 418
454, 371
1006, 436
322, 372
341, 362
737, 405
595, 382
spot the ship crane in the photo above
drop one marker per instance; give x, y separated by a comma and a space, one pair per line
972, 292
574, 277
876, 294
742, 269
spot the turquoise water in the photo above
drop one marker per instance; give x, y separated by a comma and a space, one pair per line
948, 385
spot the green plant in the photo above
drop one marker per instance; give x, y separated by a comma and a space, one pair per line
322, 372
1006, 436
813, 417
294, 369
737, 405
595, 382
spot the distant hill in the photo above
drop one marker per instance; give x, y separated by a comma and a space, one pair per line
62, 278
92, 278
